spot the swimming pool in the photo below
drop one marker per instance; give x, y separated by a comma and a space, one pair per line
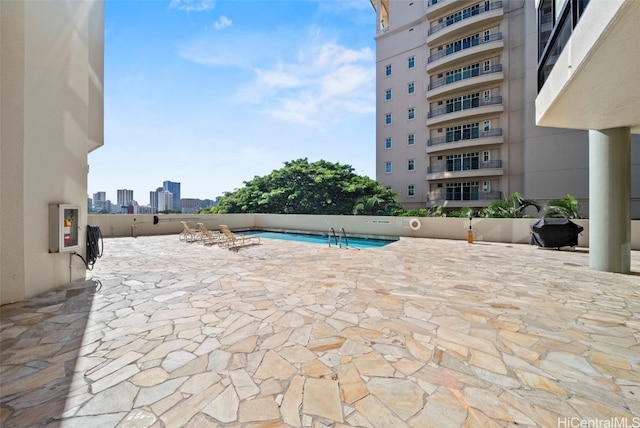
354, 242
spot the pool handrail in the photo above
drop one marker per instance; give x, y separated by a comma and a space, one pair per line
332, 232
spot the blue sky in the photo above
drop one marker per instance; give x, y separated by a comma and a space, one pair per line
212, 93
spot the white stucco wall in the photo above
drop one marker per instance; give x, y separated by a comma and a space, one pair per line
51, 71
515, 231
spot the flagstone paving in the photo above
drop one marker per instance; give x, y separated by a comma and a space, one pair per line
419, 333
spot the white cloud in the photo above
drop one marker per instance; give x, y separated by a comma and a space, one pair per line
192, 5
308, 80
324, 82
222, 23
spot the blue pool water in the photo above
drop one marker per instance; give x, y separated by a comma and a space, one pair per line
322, 239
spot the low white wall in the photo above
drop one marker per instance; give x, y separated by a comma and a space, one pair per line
118, 225
516, 231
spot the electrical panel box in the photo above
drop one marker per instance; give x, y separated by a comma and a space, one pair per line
63, 228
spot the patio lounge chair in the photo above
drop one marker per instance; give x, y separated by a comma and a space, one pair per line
233, 241
210, 236
188, 234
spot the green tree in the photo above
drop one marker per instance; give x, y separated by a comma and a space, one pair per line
301, 187
562, 208
514, 206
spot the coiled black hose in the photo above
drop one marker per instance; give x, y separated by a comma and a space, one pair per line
94, 249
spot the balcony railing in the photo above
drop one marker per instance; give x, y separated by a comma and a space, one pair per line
494, 164
466, 15
465, 105
466, 74
471, 43
496, 132
466, 196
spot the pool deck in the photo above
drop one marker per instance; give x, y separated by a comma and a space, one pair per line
420, 333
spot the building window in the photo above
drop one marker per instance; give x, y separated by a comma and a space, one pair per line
487, 65
387, 143
411, 139
465, 72
463, 162
486, 186
411, 87
486, 156
387, 94
387, 167
468, 131
487, 95
464, 102
465, 43
486, 125
411, 113
387, 70
387, 119
411, 62
411, 190
487, 35
462, 191
411, 165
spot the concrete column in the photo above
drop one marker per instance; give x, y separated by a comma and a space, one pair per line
610, 200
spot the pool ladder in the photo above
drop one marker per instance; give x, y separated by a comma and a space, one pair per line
338, 239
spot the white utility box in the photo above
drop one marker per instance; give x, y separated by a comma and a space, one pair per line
63, 228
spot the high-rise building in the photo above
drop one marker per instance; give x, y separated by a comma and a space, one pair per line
153, 198
99, 197
456, 82
588, 70
125, 197
165, 201
174, 188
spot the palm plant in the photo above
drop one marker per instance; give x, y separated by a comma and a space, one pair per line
368, 205
562, 208
514, 206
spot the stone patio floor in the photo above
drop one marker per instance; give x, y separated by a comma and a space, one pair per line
420, 333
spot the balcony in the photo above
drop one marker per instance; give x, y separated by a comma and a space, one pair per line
482, 169
465, 109
466, 79
481, 138
471, 20
437, 8
467, 199
469, 50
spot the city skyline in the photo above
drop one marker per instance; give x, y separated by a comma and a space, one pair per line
212, 95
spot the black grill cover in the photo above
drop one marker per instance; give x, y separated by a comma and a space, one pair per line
555, 233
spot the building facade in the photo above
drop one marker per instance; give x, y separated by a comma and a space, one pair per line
165, 201
174, 188
587, 74
190, 205
125, 197
456, 82
51, 117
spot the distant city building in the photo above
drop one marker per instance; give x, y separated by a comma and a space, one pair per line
165, 201
153, 198
89, 204
125, 197
142, 209
190, 206
206, 203
174, 188
99, 197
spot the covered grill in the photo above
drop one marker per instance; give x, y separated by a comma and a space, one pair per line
555, 233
